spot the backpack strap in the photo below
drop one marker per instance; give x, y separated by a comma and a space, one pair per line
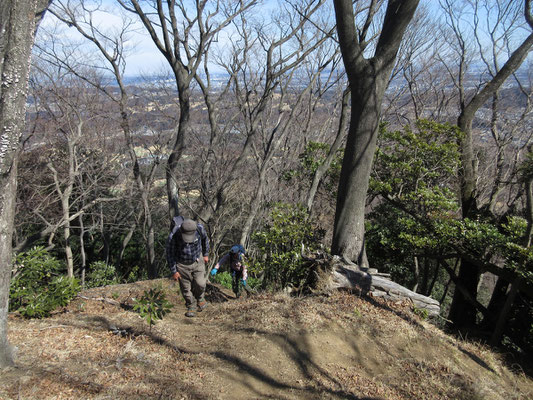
175, 224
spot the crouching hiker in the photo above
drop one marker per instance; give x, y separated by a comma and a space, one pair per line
187, 254
235, 259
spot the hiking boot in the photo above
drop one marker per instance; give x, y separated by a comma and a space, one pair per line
202, 305
190, 313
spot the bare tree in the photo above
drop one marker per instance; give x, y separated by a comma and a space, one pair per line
418, 87
183, 35
471, 103
73, 114
265, 65
368, 78
336, 145
111, 46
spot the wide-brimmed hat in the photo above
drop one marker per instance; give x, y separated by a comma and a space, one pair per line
188, 230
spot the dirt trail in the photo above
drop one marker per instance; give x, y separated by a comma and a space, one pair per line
263, 347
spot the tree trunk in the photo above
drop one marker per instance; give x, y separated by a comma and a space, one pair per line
328, 274
7, 213
502, 318
368, 79
322, 169
497, 300
106, 251
254, 208
434, 280
126, 240
178, 149
18, 21
425, 276
348, 234
462, 313
450, 280
150, 240
83, 255
416, 274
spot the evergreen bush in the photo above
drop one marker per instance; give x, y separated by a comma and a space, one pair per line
280, 244
101, 274
37, 288
222, 278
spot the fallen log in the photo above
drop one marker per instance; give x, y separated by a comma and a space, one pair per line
333, 274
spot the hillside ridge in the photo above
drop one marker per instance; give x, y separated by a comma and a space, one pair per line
267, 346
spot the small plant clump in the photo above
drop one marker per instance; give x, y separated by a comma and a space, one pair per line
101, 274
152, 306
223, 278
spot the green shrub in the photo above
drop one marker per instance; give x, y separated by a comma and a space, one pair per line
101, 274
152, 306
279, 246
36, 286
223, 278
137, 274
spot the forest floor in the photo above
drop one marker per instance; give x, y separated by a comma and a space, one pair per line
260, 347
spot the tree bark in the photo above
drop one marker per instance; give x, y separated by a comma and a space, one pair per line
7, 213
18, 22
502, 318
462, 311
368, 80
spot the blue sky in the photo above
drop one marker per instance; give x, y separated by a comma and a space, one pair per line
144, 58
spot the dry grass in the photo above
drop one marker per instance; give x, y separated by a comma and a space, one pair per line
267, 346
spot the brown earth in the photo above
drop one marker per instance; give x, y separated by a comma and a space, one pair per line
259, 347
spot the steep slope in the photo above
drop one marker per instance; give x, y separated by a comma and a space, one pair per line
265, 346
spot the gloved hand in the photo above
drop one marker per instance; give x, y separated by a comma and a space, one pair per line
243, 281
214, 271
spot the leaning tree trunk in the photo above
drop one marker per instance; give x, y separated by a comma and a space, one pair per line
17, 27
463, 312
324, 167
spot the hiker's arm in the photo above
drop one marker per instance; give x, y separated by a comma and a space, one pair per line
244, 272
171, 255
205, 242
